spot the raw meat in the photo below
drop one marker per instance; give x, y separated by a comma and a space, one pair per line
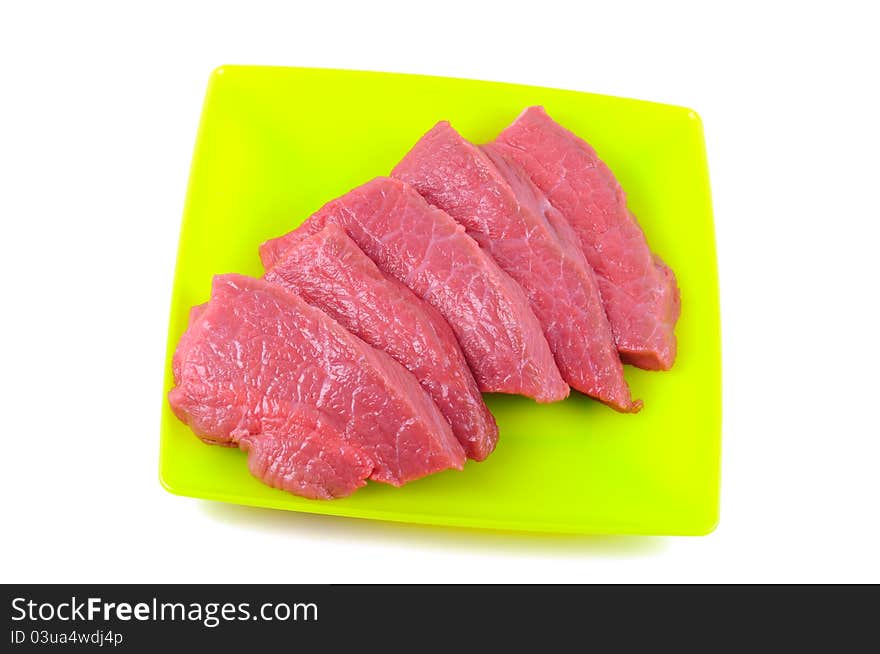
195, 312
329, 271
639, 291
428, 251
258, 358
301, 454
512, 220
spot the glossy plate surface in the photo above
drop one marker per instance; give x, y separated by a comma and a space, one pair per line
274, 144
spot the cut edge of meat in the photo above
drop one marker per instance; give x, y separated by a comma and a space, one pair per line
616, 394
296, 455
655, 350
456, 394
446, 446
660, 359
550, 388
502, 210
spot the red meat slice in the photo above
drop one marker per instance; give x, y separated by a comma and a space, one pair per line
429, 252
258, 355
512, 220
329, 271
305, 456
639, 291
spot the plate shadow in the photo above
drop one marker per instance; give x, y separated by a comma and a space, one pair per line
327, 527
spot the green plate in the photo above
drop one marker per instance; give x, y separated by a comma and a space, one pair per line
274, 144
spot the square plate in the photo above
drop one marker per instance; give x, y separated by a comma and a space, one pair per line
274, 144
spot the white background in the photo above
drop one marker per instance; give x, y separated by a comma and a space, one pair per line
98, 111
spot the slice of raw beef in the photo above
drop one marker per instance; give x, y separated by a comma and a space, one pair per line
329, 271
302, 454
639, 291
427, 250
511, 220
257, 358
